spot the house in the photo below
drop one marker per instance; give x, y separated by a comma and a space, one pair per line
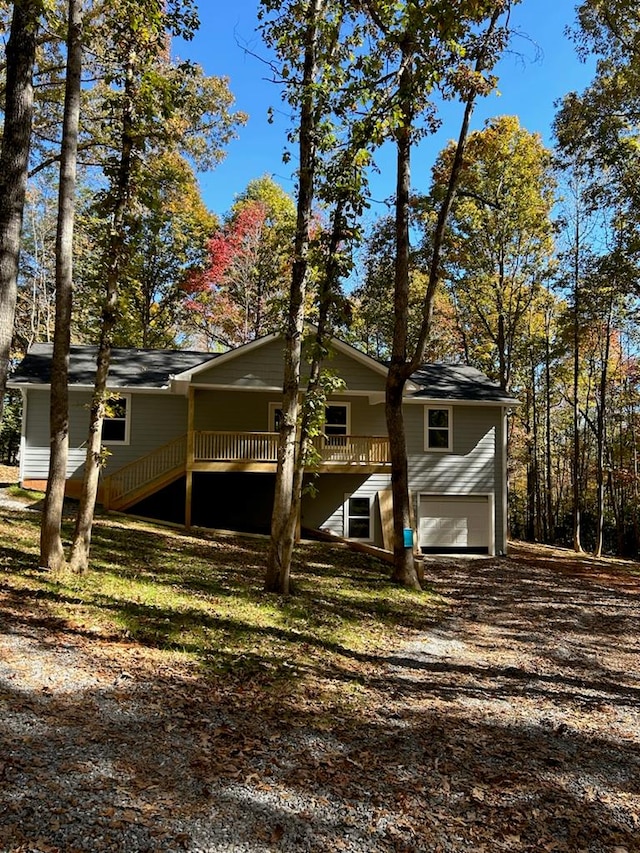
192, 438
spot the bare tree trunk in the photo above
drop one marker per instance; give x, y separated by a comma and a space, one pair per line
601, 434
51, 550
577, 544
285, 509
117, 248
14, 165
551, 526
404, 570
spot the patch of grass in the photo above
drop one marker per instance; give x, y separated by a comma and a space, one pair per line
19, 493
202, 596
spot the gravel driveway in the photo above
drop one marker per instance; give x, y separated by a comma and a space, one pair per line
513, 725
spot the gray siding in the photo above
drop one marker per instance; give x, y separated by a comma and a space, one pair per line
358, 376
155, 420
262, 367
249, 411
326, 510
473, 467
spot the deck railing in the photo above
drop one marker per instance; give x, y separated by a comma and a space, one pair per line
145, 470
263, 447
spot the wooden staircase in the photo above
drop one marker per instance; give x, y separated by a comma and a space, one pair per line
147, 475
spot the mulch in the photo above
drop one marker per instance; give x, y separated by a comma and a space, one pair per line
512, 725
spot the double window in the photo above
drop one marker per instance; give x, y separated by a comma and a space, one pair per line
438, 428
115, 426
336, 419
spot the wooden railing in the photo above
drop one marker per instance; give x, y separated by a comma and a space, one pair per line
263, 447
157, 468
154, 466
235, 447
353, 449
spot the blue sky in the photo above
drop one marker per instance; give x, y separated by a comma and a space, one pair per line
540, 67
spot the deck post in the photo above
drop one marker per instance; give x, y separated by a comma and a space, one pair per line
190, 458
106, 493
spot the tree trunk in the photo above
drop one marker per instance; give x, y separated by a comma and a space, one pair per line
551, 525
577, 544
404, 569
600, 436
14, 165
117, 249
285, 509
402, 364
51, 550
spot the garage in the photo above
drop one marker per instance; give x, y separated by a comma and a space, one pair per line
456, 524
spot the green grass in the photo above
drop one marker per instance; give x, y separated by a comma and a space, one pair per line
201, 596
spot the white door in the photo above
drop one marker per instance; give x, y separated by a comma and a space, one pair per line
455, 523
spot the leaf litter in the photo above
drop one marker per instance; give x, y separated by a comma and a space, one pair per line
512, 724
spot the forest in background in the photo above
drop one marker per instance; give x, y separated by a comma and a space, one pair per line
538, 268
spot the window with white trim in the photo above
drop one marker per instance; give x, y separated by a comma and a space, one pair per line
336, 423
115, 425
357, 517
438, 428
336, 419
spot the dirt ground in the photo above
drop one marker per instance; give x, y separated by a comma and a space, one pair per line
512, 725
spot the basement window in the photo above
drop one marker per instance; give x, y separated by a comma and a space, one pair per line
357, 517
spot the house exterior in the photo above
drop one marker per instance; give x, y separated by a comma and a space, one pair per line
192, 438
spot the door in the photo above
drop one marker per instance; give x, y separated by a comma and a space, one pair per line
452, 523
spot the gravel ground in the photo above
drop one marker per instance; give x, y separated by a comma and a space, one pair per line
513, 725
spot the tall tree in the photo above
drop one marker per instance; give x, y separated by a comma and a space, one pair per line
301, 47
14, 162
499, 252
51, 549
431, 49
240, 293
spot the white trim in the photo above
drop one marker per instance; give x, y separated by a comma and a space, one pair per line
127, 422
345, 404
450, 401
346, 516
449, 447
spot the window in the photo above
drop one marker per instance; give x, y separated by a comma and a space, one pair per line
438, 428
115, 426
357, 517
275, 417
336, 422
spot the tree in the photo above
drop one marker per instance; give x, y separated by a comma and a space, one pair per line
306, 20
427, 47
499, 251
14, 160
240, 294
167, 232
51, 549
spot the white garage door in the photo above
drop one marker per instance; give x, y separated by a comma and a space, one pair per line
449, 523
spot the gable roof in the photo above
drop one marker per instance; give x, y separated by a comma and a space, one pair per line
156, 369
128, 368
458, 382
